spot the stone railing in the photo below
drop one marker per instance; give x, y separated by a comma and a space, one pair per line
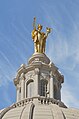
40, 100
44, 100
23, 102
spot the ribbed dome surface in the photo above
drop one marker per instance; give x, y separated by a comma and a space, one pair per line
36, 110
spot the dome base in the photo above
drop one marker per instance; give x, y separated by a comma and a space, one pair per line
40, 100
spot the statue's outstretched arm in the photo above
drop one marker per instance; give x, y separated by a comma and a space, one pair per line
48, 30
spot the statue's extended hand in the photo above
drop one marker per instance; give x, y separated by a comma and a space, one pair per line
48, 29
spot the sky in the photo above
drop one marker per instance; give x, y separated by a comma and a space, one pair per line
62, 46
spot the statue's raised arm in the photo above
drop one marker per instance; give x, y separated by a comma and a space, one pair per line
34, 23
34, 29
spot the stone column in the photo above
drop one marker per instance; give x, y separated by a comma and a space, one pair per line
36, 82
17, 93
51, 86
59, 91
22, 86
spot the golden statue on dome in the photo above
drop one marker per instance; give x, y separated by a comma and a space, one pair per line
39, 37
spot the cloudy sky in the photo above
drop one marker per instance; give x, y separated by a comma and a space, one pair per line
16, 46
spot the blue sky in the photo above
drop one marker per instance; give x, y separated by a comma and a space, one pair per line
16, 46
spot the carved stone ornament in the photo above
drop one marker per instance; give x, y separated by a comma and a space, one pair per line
44, 76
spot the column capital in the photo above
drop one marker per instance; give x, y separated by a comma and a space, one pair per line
36, 71
16, 81
51, 74
22, 76
18, 86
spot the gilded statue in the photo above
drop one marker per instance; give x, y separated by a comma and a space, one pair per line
39, 38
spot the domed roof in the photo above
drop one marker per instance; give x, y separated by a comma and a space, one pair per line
39, 108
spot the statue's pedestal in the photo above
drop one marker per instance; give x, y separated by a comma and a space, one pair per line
37, 57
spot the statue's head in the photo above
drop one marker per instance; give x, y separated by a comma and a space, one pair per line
39, 27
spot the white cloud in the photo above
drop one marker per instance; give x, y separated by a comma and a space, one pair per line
69, 98
59, 49
7, 98
6, 70
64, 51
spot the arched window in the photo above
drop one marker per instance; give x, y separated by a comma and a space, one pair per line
43, 89
30, 88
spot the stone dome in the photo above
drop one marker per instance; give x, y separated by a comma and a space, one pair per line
39, 108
